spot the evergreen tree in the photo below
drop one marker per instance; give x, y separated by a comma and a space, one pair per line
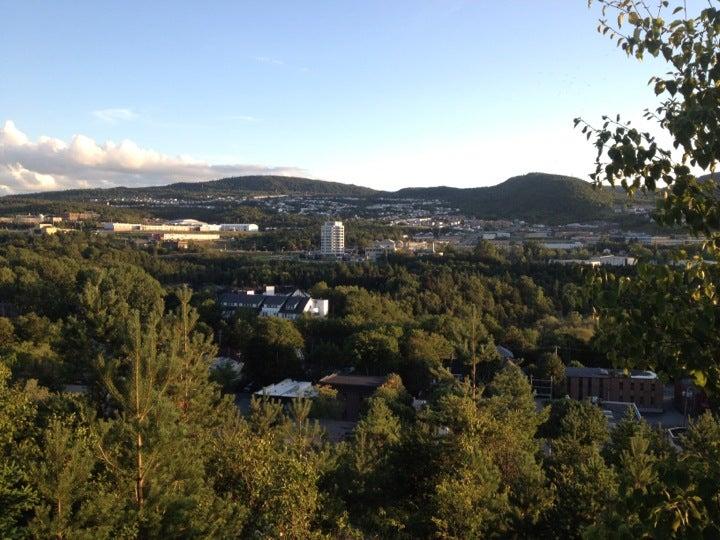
515, 449
19, 434
73, 500
159, 476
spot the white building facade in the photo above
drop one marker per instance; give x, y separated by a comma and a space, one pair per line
332, 238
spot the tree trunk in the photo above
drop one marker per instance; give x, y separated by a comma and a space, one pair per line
139, 478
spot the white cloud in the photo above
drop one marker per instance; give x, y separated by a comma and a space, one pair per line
113, 116
51, 164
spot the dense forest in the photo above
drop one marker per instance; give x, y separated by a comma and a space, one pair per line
478, 459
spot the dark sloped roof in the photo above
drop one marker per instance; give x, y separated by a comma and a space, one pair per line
293, 301
295, 304
504, 352
274, 300
289, 290
353, 380
242, 299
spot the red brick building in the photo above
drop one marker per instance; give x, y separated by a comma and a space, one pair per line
643, 388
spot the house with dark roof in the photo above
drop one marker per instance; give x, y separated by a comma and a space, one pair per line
353, 390
272, 304
290, 304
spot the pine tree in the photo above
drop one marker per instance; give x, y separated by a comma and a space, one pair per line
158, 467
73, 501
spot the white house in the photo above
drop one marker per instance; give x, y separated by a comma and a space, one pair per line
270, 303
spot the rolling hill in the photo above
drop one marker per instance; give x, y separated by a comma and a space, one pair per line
536, 197
239, 185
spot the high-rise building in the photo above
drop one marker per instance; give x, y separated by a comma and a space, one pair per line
332, 238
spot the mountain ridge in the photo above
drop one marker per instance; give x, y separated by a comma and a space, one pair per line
541, 197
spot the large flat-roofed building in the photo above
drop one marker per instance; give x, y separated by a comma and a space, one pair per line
239, 227
643, 388
179, 226
193, 237
332, 238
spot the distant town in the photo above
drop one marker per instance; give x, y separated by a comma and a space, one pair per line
426, 227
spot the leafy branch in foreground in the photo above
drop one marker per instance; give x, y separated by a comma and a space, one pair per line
665, 318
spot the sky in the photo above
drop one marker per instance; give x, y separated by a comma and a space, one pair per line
385, 94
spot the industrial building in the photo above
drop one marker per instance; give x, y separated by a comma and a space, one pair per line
179, 226
187, 236
239, 227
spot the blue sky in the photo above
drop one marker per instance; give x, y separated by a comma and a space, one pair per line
380, 93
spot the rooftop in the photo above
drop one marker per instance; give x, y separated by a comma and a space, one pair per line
596, 372
191, 222
504, 352
288, 388
615, 411
294, 301
354, 380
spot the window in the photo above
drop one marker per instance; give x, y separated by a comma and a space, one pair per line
589, 389
652, 400
642, 400
580, 387
632, 386
642, 386
621, 386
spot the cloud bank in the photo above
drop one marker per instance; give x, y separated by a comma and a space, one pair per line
52, 164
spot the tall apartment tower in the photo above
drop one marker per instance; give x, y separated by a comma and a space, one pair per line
332, 238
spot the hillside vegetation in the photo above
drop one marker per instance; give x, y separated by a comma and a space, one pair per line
535, 197
238, 185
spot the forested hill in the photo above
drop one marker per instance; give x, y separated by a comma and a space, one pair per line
534, 197
279, 185
238, 185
